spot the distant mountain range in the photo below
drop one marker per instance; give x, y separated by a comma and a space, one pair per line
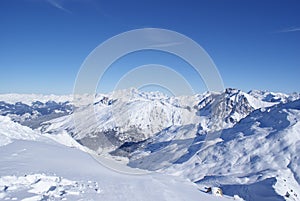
246, 143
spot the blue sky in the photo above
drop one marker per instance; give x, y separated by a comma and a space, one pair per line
254, 44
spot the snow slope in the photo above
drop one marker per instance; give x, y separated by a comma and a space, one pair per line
10, 131
42, 169
257, 159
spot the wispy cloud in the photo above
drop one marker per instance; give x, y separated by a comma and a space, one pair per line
58, 5
291, 29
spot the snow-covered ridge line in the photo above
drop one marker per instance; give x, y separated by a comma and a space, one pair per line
131, 115
30, 98
13, 98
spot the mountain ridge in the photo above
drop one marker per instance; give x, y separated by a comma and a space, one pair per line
241, 142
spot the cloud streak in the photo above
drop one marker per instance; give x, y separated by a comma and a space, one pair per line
58, 5
293, 29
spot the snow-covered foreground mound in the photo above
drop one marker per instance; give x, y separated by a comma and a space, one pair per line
44, 170
44, 187
10, 131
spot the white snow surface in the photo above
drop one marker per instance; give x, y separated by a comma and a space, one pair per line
10, 130
32, 170
257, 159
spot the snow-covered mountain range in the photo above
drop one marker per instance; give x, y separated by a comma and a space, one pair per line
245, 143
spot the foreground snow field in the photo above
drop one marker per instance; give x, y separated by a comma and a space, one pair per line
41, 169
